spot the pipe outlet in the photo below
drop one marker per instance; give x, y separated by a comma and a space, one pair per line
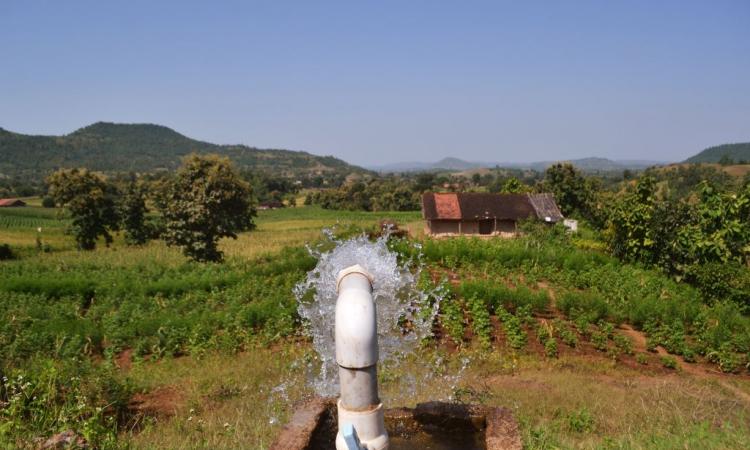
356, 320
360, 413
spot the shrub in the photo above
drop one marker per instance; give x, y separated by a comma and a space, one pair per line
726, 359
580, 421
6, 253
52, 395
568, 337
480, 321
499, 296
589, 304
514, 333
669, 362
641, 358
543, 332
623, 343
453, 319
599, 340
583, 325
550, 348
48, 202
607, 328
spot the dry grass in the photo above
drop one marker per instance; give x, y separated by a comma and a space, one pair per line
224, 401
572, 402
587, 402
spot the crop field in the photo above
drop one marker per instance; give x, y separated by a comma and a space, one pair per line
137, 347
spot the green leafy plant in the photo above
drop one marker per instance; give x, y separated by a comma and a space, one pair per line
514, 333
599, 340
550, 347
623, 343
567, 336
453, 319
480, 321
580, 421
670, 362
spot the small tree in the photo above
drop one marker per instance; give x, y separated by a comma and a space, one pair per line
512, 186
574, 192
133, 213
630, 232
90, 201
205, 202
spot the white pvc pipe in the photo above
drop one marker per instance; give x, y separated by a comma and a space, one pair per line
357, 357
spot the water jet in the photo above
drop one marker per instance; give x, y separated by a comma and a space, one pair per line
356, 302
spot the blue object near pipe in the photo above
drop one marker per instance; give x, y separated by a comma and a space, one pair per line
350, 437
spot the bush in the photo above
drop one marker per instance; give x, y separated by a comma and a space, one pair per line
584, 304
623, 343
726, 359
599, 340
669, 362
722, 281
550, 348
48, 202
453, 319
581, 421
514, 333
53, 395
499, 296
6, 253
480, 321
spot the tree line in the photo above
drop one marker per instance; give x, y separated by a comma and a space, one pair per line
204, 201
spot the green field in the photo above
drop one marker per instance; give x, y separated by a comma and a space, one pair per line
140, 348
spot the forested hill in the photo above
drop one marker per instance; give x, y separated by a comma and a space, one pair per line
113, 147
730, 153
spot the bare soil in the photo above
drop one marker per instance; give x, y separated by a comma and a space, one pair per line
163, 401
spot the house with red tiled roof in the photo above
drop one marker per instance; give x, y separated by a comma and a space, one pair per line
473, 213
10, 202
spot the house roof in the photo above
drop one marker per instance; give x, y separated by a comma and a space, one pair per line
475, 205
11, 202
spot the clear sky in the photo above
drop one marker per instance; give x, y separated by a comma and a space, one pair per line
381, 82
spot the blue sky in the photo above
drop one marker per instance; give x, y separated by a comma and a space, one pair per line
382, 82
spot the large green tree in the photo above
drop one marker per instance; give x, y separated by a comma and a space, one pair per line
91, 202
133, 213
206, 201
574, 192
631, 233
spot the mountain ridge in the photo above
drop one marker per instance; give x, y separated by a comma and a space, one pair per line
144, 147
736, 152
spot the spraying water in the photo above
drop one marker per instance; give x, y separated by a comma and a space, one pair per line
404, 313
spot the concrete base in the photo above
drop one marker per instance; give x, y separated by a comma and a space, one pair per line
313, 425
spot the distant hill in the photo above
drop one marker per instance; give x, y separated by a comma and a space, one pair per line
735, 152
111, 147
455, 164
444, 164
592, 164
